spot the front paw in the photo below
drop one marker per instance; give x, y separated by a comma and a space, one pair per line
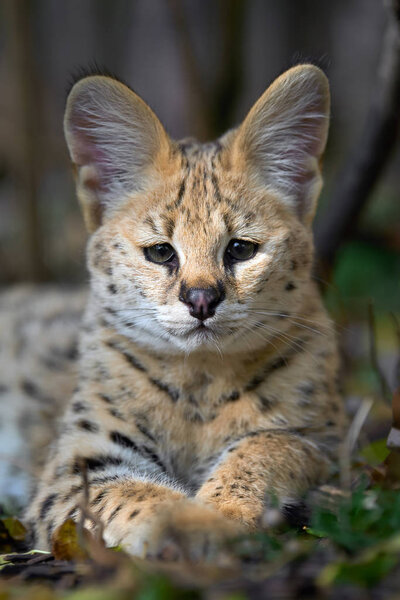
193, 532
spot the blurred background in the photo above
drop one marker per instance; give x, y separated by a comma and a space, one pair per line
201, 64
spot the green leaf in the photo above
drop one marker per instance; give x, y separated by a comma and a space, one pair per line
364, 573
376, 452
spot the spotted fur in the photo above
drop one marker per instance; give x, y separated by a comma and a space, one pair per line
185, 428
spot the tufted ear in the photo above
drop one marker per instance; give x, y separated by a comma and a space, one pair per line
283, 137
114, 140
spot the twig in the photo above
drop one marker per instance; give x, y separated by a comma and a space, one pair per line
198, 96
86, 513
397, 367
213, 106
386, 394
229, 82
350, 442
21, 46
372, 152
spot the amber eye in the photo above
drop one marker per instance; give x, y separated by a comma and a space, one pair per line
160, 253
240, 250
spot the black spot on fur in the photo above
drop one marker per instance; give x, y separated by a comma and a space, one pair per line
131, 360
290, 286
145, 431
307, 389
116, 414
278, 363
94, 463
114, 513
123, 440
46, 505
163, 387
217, 192
99, 498
106, 398
266, 403
181, 193
88, 426
72, 513
126, 442
233, 397
74, 490
79, 406
31, 389
112, 288
169, 226
134, 514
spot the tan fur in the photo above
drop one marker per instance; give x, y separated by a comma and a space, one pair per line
187, 432
38, 372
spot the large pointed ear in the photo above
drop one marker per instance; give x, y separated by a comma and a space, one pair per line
114, 140
283, 138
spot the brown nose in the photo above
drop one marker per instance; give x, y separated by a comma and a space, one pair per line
201, 302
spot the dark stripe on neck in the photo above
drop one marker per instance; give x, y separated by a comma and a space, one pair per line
131, 360
269, 368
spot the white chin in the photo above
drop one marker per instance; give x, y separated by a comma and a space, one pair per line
166, 340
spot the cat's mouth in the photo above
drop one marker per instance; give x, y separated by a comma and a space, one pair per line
198, 333
201, 329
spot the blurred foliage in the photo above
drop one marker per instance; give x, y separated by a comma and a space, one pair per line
362, 520
364, 271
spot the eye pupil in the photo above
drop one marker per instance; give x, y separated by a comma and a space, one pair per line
241, 250
162, 250
160, 253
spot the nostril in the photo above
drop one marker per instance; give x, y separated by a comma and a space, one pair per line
201, 302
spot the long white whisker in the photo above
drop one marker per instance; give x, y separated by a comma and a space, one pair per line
290, 319
290, 340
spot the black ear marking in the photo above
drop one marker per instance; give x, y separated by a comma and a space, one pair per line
92, 68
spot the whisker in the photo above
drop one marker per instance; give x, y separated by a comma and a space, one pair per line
291, 341
251, 330
291, 320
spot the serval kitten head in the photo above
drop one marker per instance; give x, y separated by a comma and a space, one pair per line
199, 246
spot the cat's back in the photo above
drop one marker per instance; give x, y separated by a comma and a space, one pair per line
39, 328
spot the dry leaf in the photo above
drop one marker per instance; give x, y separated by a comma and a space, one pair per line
15, 528
66, 544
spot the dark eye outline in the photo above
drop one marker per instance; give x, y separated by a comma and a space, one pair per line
172, 259
229, 259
